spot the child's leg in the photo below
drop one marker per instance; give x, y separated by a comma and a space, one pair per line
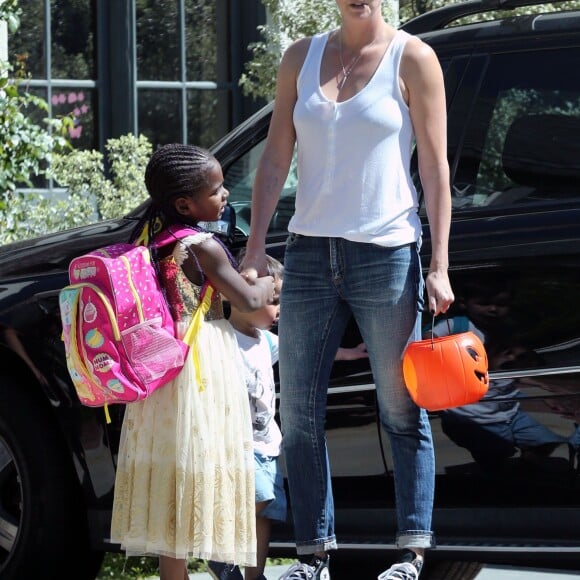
172, 569
263, 526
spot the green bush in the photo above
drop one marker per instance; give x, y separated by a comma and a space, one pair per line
90, 196
83, 174
118, 567
28, 150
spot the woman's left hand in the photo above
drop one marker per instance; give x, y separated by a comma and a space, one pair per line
439, 291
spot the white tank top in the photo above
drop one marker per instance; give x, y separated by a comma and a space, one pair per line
354, 157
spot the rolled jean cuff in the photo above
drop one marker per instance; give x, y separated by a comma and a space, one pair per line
415, 539
315, 546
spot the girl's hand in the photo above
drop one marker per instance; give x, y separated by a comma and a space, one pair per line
267, 284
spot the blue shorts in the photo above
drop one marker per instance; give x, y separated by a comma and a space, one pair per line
270, 487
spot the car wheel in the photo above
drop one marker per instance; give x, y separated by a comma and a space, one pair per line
43, 530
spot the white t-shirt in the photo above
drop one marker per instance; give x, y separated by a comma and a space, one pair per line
259, 355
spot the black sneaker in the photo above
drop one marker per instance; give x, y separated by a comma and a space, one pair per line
221, 571
407, 568
316, 569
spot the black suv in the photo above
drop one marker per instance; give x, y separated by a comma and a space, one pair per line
507, 470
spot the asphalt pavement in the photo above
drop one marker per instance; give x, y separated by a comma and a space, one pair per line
483, 572
490, 572
449, 570
271, 573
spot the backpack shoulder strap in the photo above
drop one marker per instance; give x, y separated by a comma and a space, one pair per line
176, 232
190, 337
173, 234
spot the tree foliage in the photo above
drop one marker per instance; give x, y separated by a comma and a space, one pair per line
289, 20
24, 144
26, 147
294, 19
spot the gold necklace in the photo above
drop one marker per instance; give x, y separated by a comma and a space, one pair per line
346, 71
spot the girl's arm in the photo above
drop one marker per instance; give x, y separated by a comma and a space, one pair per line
424, 90
245, 296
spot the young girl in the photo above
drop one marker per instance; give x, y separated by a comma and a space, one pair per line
185, 479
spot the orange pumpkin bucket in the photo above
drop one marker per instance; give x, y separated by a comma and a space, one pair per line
447, 371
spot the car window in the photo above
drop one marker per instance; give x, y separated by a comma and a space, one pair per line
522, 140
239, 179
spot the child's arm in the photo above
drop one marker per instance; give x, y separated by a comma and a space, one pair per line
245, 296
359, 351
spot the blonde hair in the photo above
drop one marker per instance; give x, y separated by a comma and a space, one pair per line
274, 267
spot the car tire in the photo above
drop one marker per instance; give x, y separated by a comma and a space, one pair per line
43, 524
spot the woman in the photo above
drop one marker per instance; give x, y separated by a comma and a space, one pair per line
352, 100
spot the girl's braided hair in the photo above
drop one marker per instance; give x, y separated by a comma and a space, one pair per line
173, 171
176, 170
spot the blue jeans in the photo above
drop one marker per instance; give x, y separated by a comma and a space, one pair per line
325, 281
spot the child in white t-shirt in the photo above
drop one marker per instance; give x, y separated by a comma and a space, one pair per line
259, 349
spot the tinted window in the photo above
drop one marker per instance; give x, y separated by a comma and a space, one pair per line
239, 180
522, 141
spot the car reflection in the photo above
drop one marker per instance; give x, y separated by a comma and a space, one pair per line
515, 417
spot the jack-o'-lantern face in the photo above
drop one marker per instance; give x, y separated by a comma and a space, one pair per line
445, 372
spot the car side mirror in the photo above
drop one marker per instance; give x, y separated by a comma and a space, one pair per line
225, 227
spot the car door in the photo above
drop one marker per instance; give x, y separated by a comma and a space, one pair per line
514, 138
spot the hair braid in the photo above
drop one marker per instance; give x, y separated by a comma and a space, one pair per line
176, 170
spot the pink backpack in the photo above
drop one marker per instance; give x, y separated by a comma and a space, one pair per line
118, 332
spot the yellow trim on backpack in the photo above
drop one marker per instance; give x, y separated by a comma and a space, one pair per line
190, 337
133, 289
105, 302
74, 354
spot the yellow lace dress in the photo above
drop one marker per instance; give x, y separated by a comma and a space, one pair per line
185, 475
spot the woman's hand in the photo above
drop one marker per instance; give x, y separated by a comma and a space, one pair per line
253, 265
439, 291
